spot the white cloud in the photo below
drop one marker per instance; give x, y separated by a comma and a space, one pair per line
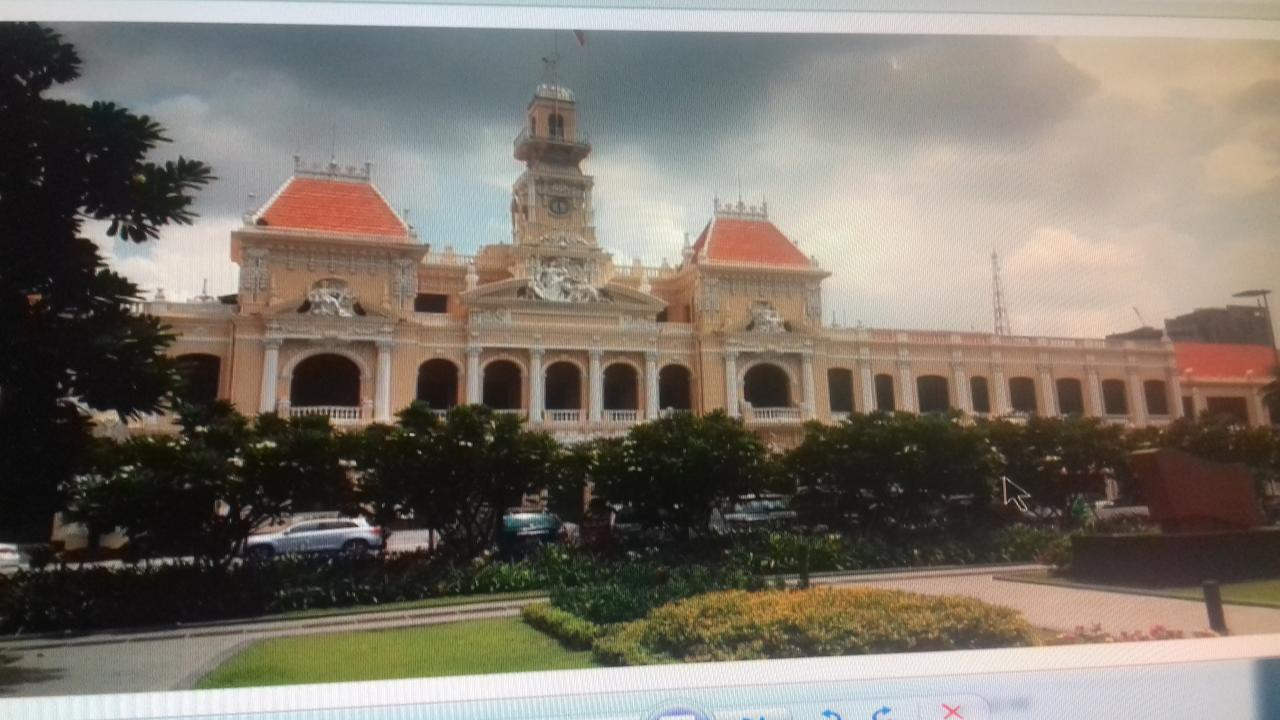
179, 262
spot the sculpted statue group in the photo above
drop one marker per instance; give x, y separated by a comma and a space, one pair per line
562, 280
765, 318
332, 299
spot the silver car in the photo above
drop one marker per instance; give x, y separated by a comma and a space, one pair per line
354, 536
13, 557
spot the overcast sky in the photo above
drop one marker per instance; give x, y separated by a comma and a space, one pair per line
1109, 174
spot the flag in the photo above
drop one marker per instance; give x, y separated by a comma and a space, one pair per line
581, 35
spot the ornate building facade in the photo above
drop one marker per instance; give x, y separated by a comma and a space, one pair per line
342, 311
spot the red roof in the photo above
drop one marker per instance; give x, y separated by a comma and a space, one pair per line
342, 207
1217, 360
747, 242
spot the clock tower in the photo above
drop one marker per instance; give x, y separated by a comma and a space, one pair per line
551, 201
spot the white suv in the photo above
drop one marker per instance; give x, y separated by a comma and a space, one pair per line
354, 536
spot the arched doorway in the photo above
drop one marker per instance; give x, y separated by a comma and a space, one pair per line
325, 380
1115, 397
1022, 395
621, 387
563, 387
934, 394
840, 390
981, 394
767, 386
1070, 396
502, 388
675, 388
884, 393
438, 384
1157, 397
199, 373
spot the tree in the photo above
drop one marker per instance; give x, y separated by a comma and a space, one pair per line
203, 491
481, 463
1060, 461
885, 471
682, 466
72, 341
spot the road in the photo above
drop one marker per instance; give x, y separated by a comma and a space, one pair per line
174, 659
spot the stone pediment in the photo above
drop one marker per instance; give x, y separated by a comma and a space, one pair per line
518, 293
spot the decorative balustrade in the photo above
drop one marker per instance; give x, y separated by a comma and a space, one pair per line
672, 412
448, 257
775, 415
509, 411
337, 414
621, 416
839, 416
563, 417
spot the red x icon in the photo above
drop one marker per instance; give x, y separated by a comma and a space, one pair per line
952, 712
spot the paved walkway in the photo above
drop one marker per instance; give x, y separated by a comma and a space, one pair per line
177, 658
1062, 608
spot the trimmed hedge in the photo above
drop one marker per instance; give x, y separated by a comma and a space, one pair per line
636, 588
737, 625
569, 629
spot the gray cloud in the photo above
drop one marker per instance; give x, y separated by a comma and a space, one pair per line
900, 162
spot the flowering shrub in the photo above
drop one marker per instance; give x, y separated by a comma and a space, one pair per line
568, 628
1085, 635
737, 625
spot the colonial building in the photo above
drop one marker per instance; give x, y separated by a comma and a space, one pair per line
343, 311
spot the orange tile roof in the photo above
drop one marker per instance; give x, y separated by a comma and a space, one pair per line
1220, 360
747, 242
341, 207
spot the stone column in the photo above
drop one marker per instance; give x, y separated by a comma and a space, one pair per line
806, 385
1048, 391
1137, 399
1095, 392
999, 393
731, 383
1257, 411
270, 375
596, 383
651, 386
964, 393
1175, 391
1198, 403
475, 387
907, 391
868, 385
537, 378
382, 383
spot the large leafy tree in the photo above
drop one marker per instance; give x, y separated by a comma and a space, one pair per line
70, 339
897, 471
680, 467
202, 491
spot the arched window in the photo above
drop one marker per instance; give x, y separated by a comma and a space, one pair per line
556, 125
199, 378
621, 387
675, 388
1157, 397
1115, 401
326, 379
840, 390
563, 386
502, 387
767, 386
934, 393
981, 393
1070, 396
884, 393
438, 384
1022, 395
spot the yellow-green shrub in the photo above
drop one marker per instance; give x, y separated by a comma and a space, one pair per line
739, 625
568, 628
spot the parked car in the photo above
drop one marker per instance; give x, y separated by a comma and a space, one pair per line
348, 535
13, 557
755, 512
524, 530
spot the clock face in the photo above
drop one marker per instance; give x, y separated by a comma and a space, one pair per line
558, 206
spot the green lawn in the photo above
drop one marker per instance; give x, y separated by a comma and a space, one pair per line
1255, 592
460, 648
